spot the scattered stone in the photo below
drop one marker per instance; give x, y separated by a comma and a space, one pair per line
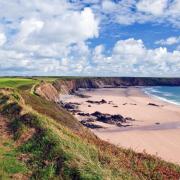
152, 104
121, 125
74, 111
91, 125
97, 102
115, 106
124, 104
75, 103
88, 120
103, 101
69, 106
83, 114
129, 119
157, 123
81, 95
89, 105
133, 104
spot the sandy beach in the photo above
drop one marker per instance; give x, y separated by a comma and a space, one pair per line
154, 128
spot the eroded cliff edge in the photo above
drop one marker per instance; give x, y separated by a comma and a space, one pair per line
52, 91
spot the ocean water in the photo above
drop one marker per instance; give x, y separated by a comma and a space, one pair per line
166, 93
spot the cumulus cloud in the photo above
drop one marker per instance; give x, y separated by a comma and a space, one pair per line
48, 37
153, 7
130, 56
169, 41
71, 27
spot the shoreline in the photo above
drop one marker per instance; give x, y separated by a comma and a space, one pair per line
155, 128
160, 98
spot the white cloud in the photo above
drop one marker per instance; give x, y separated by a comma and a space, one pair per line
132, 11
108, 5
2, 39
130, 57
71, 27
169, 41
129, 47
28, 27
155, 7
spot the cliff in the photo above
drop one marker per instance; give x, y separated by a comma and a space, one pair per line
53, 91
47, 91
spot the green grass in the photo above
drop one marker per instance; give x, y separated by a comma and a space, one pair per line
23, 82
15, 82
9, 163
64, 155
51, 110
45, 78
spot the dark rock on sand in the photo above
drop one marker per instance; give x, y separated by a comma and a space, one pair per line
108, 118
129, 119
133, 104
152, 104
117, 117
83, 114
97, 102
88, 120
74, 111
121, 125
70, 105
91, 125
81, 95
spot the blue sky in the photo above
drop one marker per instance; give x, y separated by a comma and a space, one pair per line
90, 37
148, 32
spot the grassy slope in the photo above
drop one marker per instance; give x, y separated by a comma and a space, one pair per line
61, 147
15, 82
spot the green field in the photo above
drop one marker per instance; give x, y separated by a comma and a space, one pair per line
16, 82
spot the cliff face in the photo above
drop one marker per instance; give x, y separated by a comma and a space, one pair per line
47, 91
58, 87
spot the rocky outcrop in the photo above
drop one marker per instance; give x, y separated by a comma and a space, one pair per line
108, 118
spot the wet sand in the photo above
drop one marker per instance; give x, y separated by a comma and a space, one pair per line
156, 129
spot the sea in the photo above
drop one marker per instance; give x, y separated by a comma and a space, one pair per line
169, 94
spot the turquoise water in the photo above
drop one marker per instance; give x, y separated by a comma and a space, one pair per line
166, 93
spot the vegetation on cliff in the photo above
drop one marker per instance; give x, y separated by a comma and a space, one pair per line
45, 142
